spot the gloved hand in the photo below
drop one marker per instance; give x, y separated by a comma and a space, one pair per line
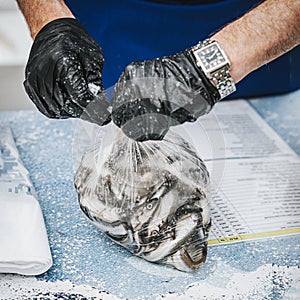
153, 95
63, 74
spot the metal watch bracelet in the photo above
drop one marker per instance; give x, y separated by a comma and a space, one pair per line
220, 77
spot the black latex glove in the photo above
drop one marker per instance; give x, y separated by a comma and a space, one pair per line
153, 95
64, 67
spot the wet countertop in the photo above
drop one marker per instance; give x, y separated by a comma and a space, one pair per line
87, 265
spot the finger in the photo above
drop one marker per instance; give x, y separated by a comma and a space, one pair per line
79, 97
92, 66
146, 127
40, 87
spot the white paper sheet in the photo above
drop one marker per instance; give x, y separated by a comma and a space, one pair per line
24, 247
255, 175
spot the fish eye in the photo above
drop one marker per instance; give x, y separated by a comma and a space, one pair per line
118, 210
149, 206
154, 233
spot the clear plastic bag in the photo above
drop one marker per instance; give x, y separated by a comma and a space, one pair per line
150, 197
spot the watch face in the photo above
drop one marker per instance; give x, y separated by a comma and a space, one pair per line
210, 57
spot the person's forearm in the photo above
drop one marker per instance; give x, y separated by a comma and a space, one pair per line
263, 34
40, 12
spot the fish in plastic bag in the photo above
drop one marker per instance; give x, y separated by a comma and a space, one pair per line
150, 197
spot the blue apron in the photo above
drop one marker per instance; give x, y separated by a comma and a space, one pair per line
131, 30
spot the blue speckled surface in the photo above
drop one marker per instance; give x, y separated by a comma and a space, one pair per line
84, 255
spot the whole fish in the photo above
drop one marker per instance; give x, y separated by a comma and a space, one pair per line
150, 197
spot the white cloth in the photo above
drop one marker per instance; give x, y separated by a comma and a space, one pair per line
24, 247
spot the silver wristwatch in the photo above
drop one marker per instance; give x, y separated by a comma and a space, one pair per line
213, 61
